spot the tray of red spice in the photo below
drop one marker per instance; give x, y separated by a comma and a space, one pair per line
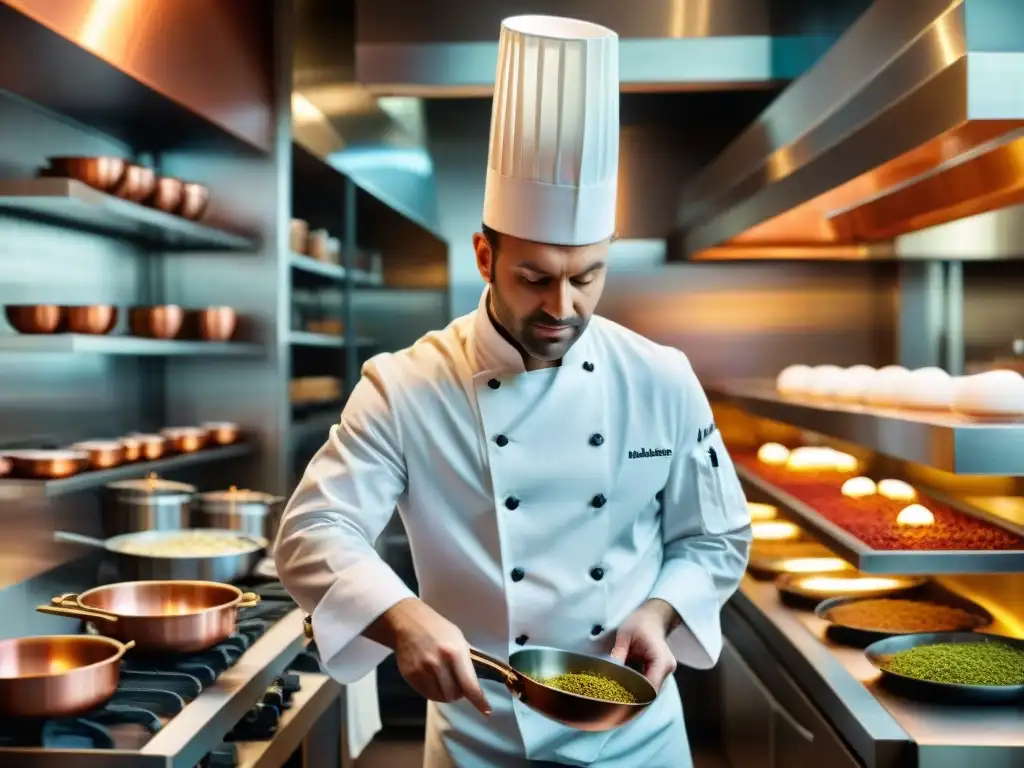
864, 530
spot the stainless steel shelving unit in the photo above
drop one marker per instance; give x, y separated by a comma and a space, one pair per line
73, 204
868, 560
944, 441
18, 490
62, 343
334, 272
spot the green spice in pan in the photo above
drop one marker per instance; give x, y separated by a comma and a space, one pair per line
987, 663
594, 686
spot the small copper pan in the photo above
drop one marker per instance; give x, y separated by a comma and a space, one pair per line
46, 465
35, 318
165, 616
216, 323
186, 439
97, 320
5, 467
222, 432
167, 195
102, 173
137, 184
103, 454
58, 675
160, 322
144, 447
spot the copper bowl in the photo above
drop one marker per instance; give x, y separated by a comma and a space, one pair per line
97, 320
35, 318
222, 432
46, 465
161, 322
103, 454
168, 194
137, 184
216, 323
144, 447
58, 675
196, 198
5, 467
186, 439
167, 616
102, 173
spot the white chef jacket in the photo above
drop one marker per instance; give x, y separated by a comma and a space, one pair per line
541, 508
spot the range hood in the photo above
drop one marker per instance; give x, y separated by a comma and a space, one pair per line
448, 48
914, 118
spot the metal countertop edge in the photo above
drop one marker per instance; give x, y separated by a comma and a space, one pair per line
202, 725
851, 709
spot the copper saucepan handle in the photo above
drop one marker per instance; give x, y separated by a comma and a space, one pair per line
248, 600
68, 606
505, 673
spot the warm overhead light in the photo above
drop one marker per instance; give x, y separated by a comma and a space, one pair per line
761, 512
814, 565
775, 530
773, 454
859, 487
915, 515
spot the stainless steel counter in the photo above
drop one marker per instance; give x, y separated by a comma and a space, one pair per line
871, 719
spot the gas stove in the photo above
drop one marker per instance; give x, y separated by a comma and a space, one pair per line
157, 693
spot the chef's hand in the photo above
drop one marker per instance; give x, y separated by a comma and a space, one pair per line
641, 638
432, 654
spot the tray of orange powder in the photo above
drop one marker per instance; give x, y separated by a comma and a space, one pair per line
865, 531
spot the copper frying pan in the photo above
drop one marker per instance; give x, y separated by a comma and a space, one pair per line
163, 616
58, 675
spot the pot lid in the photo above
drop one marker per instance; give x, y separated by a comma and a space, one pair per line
151, 485
96, 445
45, 454
239, 496
182, 431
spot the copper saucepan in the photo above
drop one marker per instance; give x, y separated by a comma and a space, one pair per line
58, 675
174, 616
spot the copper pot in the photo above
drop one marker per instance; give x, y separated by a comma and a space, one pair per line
222, 432
145, 447
161, 322
103, 454
35, 318
176, 616
194, 201
98, 319
102, 173
216, 323
168, 194
186, 439
5, 467
47, 465
58, 675
137, 184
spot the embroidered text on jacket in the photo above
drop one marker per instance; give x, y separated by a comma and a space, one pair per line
650, 453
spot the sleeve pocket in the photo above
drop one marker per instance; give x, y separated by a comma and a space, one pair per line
723, 508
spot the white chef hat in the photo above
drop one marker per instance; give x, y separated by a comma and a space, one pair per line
552, 170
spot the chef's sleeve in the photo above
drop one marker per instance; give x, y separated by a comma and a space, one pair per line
706, 531
325, 552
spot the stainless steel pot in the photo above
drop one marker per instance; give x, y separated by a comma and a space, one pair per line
174, 560
149, 504
250, 512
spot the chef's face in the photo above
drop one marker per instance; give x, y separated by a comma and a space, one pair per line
543, 295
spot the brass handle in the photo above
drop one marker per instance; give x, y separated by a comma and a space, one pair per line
307, 627
75, 613
125, 647
249, 600
71, 600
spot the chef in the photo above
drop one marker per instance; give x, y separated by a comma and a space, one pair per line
560, 478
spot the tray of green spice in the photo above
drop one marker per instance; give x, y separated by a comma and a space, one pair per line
961, 665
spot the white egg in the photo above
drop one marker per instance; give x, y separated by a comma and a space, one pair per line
825, 380
855, 380
990, 394
928, 388
897, 490
794, 380
887, 385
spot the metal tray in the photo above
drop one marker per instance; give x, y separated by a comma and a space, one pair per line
793, 593
880, 652
856, 636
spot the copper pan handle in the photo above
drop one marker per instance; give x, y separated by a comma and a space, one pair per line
70, 600
505, 673
75, 613
248, 600
125, 647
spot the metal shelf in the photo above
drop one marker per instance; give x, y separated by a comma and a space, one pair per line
944, 441
307, 339
63, 343
71, 203
335, 272
15, 490
868, 560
